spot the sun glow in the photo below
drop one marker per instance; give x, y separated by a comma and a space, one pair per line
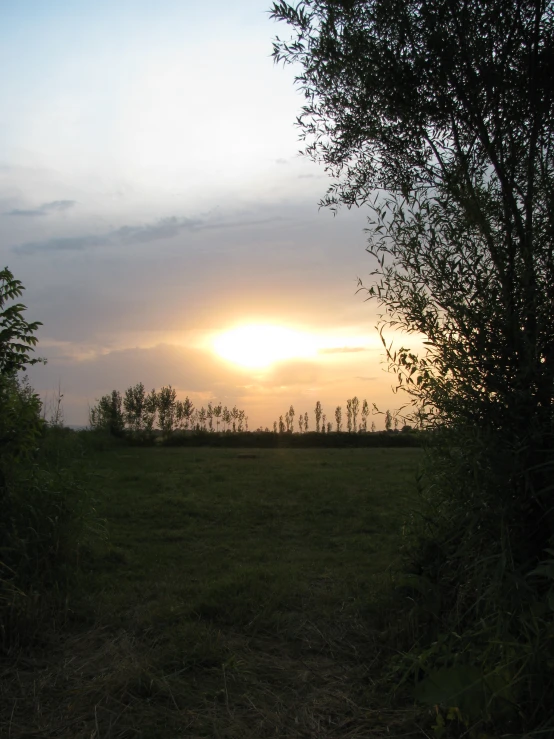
257, 347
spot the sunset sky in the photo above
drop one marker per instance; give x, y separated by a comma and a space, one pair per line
152, 200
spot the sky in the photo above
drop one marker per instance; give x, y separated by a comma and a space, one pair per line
155, 206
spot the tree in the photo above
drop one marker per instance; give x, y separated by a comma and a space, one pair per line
17, 339
150, 410
338, 417
133, 406
306, 421
218, 410
438, 114
349, 415
166, 405
301, 423
445, 109
355, 411
318, 414
241, 420
226, 418
291, 418
388, 421
20, 406
107, 414
365, 414
281, 425
188, 410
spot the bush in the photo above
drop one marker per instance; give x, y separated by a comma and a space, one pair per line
484, 607
46, 514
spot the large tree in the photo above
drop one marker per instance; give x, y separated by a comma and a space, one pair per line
438, 115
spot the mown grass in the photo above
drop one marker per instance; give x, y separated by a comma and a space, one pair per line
234, 597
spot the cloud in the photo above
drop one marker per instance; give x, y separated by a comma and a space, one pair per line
21, 212
343, 350
366, 379
56, 206
187, 369
71, 243
281, 161
164, 228
291, 373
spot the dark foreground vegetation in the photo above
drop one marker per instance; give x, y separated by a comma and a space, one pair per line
234, 595
270, 440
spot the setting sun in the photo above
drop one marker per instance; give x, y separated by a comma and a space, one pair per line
261, 346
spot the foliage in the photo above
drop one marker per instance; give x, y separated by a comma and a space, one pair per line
107, 415
17, 339
438, 115
134, 402
338, 418
167, 401
45, 512
318, 414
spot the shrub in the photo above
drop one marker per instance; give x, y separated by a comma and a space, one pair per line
46, 515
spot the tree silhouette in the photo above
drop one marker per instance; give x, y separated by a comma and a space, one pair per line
338, 417
218, 409
349, 415
365, 414
133, 405
318, 414
355, 410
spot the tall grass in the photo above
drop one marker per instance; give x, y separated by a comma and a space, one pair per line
483, 593
47, 516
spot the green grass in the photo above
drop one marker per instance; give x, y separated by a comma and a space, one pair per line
234, 597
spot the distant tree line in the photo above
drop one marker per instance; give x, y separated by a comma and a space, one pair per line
285, 424
142, 413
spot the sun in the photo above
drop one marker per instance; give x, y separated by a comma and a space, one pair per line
259, 346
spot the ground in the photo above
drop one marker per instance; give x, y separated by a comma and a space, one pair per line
231, 597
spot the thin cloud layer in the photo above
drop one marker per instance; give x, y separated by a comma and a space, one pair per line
56, 206
344, 350
160, 230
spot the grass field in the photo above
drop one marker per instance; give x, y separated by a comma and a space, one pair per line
234, 596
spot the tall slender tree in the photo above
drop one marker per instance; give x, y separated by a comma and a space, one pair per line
338, 417
365, 414
355, 411
318, 414
349, 415
291, 417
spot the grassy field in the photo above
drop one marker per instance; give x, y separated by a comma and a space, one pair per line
234, 596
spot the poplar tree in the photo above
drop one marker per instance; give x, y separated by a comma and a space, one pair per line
318, 414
